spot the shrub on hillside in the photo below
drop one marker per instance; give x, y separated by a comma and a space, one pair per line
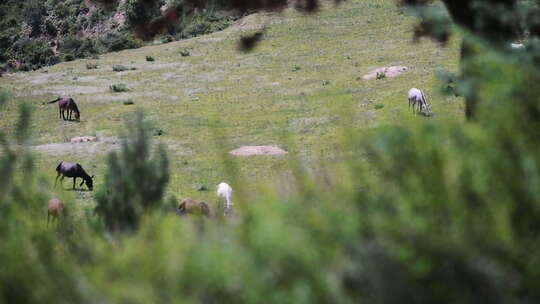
122, 68
204, 23
91, 65
33, 53
184, 53
79, 48
117, 41
118, 87
141, 11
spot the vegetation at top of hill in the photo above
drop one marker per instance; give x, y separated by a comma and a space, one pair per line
38, 33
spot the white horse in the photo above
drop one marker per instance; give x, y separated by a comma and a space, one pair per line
517, 45
224, 192
419, 101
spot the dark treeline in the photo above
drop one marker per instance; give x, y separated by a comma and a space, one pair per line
38, 33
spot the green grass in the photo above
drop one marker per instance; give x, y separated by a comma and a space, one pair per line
218, 99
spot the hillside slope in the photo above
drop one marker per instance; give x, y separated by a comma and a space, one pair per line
298, 89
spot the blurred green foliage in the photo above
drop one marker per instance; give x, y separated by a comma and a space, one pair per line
444, 212
436, 212
135, 181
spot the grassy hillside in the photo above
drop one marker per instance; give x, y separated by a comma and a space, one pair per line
300, 88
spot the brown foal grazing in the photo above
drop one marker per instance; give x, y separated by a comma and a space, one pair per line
55, 209
69, 105
191, 206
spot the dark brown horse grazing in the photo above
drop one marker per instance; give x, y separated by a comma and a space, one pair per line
69, 105
73, 170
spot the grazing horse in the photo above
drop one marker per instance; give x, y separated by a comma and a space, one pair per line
190, 206
66, 169
419, 102
54, 209
69, 105
224, 192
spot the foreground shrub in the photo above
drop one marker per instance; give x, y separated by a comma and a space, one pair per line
135, 181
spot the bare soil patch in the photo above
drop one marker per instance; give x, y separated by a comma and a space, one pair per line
83, 139
258, 150
391, 71
252, 22
63, 90
104, 145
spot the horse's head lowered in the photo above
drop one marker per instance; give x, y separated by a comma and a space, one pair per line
90, 183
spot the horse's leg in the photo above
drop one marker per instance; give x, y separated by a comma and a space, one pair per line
74, 179
60, 112
83, 180
56, 180
48, 215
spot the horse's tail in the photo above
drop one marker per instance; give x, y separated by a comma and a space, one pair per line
425, 103
57, 99
424, 97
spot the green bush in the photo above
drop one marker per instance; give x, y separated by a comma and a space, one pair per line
119, 87
69, 57
184, 53
140, 11
117, 41
296, 68
33, 53
150, 58
135, 182
122, 68
158, 132
91, 65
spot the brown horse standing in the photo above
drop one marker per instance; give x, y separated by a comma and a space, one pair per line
69, 105
54, 209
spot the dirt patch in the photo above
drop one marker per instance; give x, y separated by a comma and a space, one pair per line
258, 150
68, 90
391, 71
83, 139
105, 145
165, 65
252, 22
